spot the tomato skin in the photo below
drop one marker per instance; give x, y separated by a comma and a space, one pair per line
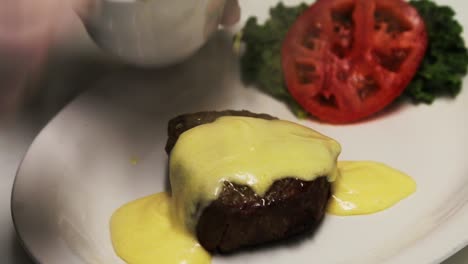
345, 60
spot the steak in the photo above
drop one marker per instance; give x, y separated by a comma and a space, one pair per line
239, 217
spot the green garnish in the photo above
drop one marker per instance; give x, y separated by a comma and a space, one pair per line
445, 63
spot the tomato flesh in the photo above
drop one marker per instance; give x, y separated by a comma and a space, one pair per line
344, 60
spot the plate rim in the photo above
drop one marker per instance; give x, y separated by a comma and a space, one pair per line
458, 244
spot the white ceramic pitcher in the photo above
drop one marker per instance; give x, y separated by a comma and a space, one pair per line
151, 32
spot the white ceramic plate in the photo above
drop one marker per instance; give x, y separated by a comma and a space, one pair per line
106, 149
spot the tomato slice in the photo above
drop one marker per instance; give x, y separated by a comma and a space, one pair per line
344, 60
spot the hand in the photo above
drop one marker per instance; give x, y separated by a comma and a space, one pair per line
26, 28
231, 13
26, 32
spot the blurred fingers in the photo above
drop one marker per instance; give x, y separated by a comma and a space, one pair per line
231, 13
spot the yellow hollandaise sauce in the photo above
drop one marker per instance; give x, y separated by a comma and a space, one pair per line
247, 151
142, 233
366, 187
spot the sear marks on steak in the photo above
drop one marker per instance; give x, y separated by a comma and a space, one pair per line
239, 217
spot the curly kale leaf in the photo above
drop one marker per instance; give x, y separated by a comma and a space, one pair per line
445, 63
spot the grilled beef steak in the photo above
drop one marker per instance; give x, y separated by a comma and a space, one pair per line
239, 217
